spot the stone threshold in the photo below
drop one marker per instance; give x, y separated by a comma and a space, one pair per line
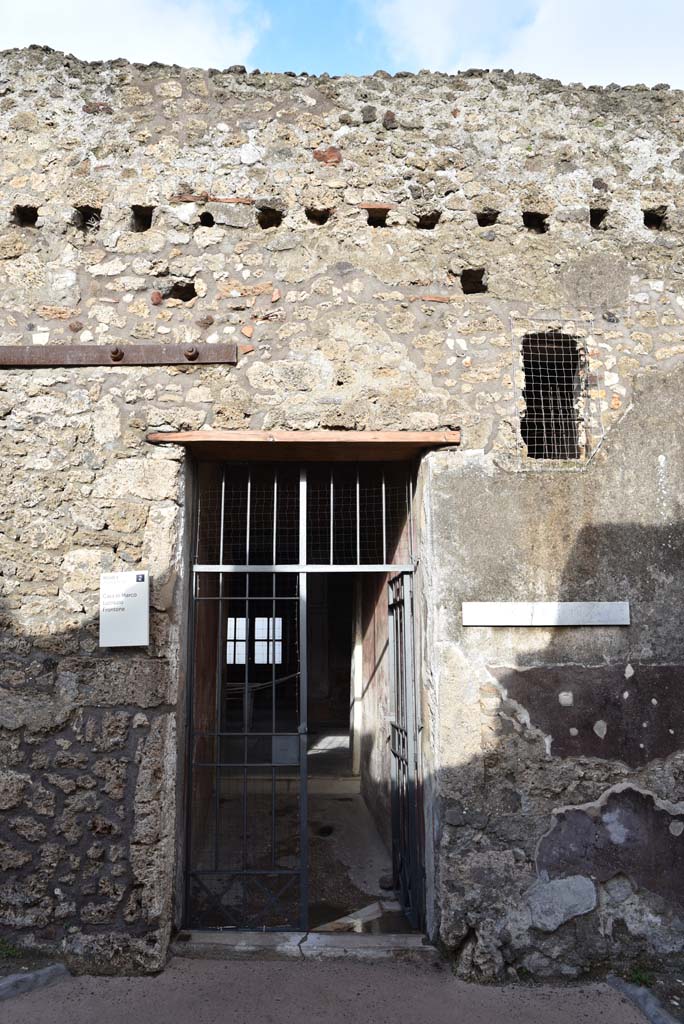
234, 945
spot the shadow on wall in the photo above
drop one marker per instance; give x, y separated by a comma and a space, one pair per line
87, 848
86, 826
565, 852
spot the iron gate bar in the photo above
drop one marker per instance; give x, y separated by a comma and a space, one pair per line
219, 683
348, 567
303, 709
404, 741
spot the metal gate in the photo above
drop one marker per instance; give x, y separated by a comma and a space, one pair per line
248, 816
259, 531
404, 745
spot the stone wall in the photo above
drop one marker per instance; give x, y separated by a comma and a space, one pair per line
560, 763
342, 325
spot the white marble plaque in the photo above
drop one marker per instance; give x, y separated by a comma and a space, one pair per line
545, 613
125, 609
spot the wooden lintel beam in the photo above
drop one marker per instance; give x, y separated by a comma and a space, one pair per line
323, 437
308, 445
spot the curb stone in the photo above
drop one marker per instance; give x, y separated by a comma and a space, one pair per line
20, 984
643, 999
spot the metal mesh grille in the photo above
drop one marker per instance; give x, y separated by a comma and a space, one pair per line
552, 362
355, 515
557, 403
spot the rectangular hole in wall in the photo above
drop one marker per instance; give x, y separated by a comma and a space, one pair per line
554, 369
269, 217
317, 216
377, 217
87, 218
25, 216
487, 217
474, 280
141, 217
428, 221
597, 217
655, 218
183, 290
536, 222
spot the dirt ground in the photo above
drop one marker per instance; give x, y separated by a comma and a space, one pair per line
339, 992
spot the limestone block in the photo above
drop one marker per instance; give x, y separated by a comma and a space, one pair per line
81, 568
159, 545
108, 268
288, 374
20, 709
232, 215
141, 682
553, 903
106, 420
13, 785
152, 479
250, 154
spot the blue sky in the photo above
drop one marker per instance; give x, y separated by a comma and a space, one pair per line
592, 41
350, 37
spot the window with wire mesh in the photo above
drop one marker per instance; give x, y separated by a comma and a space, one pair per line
554, 367
355, 514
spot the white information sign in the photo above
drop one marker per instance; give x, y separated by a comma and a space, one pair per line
545, 613
125, 609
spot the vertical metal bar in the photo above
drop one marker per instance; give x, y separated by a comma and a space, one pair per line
245, 722
273, 812
270, 631
223, 512
384, 518
412, 752
358, 518
273, 604
302, 516
394, 763
219, 681
332, 520
249, 504
409, 512
190, 740
303, 713
275, 515
303, 764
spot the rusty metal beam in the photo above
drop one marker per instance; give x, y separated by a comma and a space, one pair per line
150, 354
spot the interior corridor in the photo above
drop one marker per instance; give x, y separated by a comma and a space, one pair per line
349, 828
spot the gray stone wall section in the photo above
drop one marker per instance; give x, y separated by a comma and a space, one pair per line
560, 824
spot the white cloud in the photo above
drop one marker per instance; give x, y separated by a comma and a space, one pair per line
422, 35
196, 33
601, 41
592, 41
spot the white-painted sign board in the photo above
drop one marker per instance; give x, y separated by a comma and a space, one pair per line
125, 609
545, 613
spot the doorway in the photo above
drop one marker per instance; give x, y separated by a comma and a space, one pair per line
304, 778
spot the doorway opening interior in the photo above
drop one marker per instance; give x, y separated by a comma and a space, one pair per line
304, 783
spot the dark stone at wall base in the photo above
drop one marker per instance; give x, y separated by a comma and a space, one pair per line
626, 833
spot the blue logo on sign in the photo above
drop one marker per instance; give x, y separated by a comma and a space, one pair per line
140, 577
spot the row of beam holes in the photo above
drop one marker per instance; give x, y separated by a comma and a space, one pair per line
536, 222
87, 218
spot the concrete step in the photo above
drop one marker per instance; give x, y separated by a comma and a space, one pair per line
236, 945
